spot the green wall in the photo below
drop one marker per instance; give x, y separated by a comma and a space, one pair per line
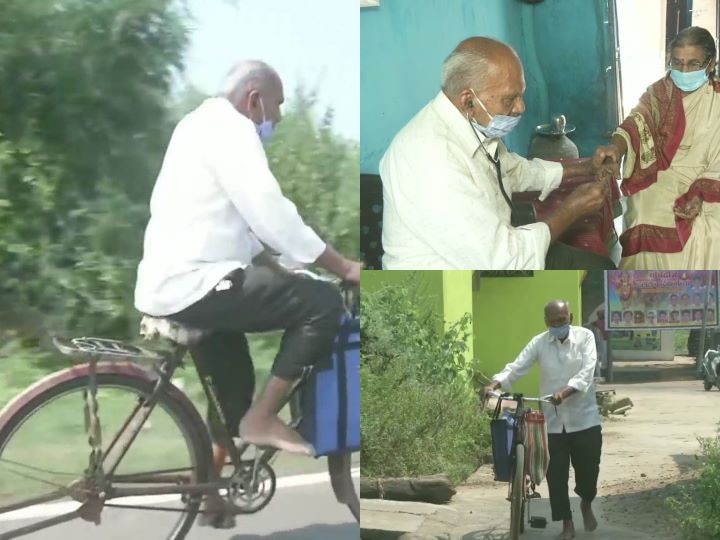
508, 312
457, 299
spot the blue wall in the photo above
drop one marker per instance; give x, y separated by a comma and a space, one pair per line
403, 44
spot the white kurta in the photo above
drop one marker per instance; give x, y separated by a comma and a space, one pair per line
570, 363
213, 199
443, 208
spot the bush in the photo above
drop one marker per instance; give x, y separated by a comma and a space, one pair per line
419, 414
697, 509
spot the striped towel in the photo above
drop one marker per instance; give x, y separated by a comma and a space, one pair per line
537, 446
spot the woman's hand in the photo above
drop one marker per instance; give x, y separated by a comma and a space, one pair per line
690, 209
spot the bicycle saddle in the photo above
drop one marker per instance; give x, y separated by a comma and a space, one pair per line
157, 327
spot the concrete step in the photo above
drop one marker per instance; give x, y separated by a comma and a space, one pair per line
390, 520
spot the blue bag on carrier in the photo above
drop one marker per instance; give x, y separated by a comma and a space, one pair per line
501, 432
331, 397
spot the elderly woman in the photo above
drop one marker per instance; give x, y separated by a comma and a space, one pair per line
671, 144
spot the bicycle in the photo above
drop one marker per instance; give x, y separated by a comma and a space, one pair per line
521, 490
112, 375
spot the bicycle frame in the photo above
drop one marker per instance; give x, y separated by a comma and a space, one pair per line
102, 466
519, 439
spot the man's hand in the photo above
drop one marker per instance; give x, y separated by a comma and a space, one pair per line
490, 388
587, 198
557, 398
352, 273
605, 163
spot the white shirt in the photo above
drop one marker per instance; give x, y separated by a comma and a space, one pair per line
443, 208
571, 363
213, 199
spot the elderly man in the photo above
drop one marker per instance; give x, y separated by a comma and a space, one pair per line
567, 358
448, 178
214, 206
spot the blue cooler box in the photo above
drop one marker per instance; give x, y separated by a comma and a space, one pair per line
331, 397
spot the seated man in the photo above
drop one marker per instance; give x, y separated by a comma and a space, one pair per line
214, 202
445, 205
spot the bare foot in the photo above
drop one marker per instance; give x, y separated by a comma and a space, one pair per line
271, 431
568, 532
589, 520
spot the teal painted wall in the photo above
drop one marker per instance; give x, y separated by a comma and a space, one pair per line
575, 50
404, 42
508, 312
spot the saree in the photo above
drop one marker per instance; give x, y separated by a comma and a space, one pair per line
672, 164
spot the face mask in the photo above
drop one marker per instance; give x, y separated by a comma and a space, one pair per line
500, 124
559, 332
265, 129
689, 81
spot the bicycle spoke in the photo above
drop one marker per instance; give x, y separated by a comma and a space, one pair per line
40, 480
32, 468
41, 499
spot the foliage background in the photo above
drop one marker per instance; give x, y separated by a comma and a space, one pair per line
420, 412
87, 105
86, 110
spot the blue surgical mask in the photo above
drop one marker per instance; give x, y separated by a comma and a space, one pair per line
500, 124
689, 81
559, 332
265, 129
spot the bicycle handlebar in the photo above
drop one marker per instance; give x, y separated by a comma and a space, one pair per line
508, 395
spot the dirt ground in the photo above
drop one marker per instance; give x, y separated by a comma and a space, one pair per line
647, 456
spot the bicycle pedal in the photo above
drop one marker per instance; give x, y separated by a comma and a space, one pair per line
538, 522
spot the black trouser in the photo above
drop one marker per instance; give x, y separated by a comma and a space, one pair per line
260, 300
583, 449
563, 257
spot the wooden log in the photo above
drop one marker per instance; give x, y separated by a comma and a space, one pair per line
437, 489
620, 404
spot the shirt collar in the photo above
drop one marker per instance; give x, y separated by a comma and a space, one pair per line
569, 339
461, 128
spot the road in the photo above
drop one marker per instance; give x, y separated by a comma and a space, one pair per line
646, 456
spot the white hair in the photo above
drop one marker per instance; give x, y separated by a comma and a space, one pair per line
463, 69
247, 75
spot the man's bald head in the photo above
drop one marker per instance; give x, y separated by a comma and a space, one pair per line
475, 62
484, 69
252, 86
557, 313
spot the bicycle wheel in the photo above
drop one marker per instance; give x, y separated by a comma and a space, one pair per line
44, 448
517, 493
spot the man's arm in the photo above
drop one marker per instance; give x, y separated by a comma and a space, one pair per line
584, 378
517, 369
606, 160
253, 189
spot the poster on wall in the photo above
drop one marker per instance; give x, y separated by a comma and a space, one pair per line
654, 299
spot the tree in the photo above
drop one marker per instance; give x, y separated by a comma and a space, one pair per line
85, 116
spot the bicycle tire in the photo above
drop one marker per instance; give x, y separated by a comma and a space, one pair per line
133, 378
517, 493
